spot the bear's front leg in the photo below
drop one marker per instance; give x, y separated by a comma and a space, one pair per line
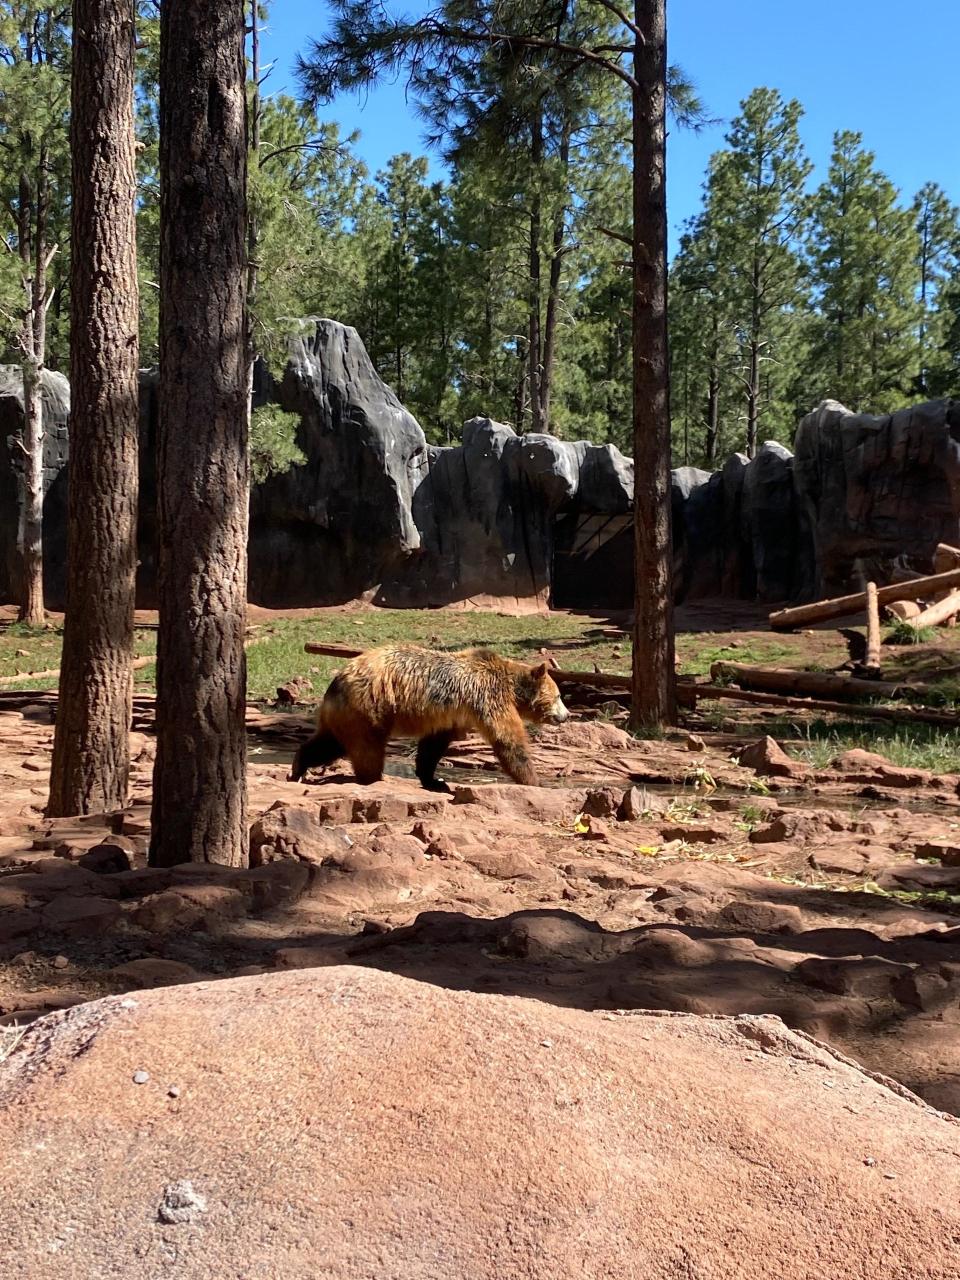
510, 746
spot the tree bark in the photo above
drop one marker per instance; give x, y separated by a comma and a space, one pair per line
31, 510
30, 531
91, 750
553, 293
534, 348
712, 443
199, 793
654, 701
253, 226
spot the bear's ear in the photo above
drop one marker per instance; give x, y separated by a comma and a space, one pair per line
540, 671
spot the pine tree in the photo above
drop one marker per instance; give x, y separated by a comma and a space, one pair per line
704, 345
404, 194
34, 101
199, 781
945, 370
756, 201
863, 252
91, 750
938, 237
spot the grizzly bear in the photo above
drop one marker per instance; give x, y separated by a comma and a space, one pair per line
408, 692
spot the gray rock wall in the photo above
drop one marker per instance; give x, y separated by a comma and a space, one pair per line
376, 512
873, 489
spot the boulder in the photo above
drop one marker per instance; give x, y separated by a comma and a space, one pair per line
343, 1122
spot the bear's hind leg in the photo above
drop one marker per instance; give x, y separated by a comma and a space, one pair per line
317, 752
430, 751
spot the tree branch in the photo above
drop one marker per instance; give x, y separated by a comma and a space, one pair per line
621, 16
616, 235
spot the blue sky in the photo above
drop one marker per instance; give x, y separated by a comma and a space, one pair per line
869, 65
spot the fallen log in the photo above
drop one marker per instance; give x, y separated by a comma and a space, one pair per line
938, 613
901, 609
945, 558
598, 679
53, 672
689, 694
872, 659
844, 606
782, 679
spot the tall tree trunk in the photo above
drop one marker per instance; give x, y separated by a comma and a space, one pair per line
199, 791
253, 226
520, 392
30, 530
534, 348
654, 701
712, 443
753, 384
553, 294
91, 749
753, 398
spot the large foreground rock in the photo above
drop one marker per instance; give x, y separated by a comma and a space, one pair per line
343, 1123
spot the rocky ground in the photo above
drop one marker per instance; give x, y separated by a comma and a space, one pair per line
346, 1123
657, 875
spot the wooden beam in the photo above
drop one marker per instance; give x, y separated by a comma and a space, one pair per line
872, 659
901, 609
815, 683
946, 557
690, 693
937, 613
844, 606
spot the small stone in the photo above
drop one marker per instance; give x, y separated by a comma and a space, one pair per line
602, 802
547, 1044
180, 1203
695, 743
173, 1091
24, 958
141, 1077
890, 1176
639, 802
869, 1161
61, 962
768, 759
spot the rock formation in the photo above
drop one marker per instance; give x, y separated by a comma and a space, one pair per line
375, 512
873, 489
342, 1122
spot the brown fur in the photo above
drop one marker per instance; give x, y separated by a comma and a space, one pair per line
402, 691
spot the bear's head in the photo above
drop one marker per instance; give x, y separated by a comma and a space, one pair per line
538, 698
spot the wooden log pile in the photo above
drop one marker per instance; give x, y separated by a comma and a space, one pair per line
900, 601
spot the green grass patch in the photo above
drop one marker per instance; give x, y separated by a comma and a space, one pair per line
32, 649
698, 653
901, 632
917, 746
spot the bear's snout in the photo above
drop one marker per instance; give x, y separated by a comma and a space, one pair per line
558, 712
